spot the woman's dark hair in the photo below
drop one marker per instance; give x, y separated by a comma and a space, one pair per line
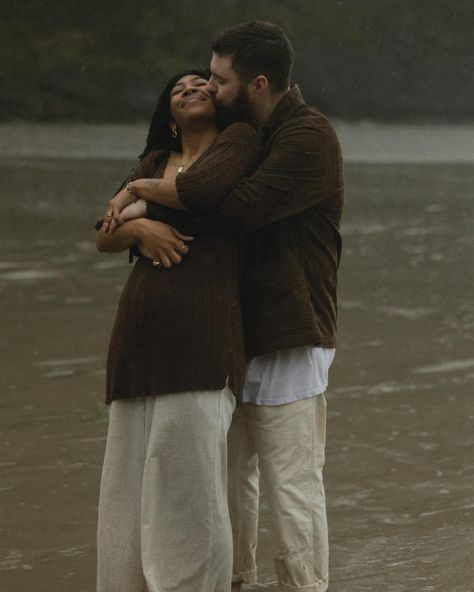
257, 48
159, 133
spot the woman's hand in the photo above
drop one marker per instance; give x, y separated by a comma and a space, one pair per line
161, 243
113, 217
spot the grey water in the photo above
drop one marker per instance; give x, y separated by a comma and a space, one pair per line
400, 465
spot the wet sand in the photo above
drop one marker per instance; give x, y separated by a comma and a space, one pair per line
400, 466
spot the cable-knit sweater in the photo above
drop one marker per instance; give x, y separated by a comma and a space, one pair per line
180, 329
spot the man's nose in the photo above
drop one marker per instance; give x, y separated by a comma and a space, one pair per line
211, 87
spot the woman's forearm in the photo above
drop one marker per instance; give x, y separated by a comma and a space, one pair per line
124, 237
161, 191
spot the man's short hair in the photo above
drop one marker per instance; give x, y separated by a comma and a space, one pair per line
257, 48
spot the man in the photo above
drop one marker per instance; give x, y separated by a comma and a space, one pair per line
290, 209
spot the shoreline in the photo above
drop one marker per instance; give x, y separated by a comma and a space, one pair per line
362, 142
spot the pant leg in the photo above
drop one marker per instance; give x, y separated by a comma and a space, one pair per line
119, 567
186, 538
243, 492
290, 442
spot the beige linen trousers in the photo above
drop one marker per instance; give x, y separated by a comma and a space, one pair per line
163, 513
285, 446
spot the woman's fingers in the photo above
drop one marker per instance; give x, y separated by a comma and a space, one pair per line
174, 256
171, 253
159, 242
180, 246
116, 220
183, 237
165, 261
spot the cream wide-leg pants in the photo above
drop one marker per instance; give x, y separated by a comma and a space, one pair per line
284, 444
163, 513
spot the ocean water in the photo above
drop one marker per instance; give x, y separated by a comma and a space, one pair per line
399, 470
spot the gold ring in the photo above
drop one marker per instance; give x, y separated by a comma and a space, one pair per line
157, 263
109, 213
182, 248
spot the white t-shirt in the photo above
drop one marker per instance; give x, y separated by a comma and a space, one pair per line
287, 376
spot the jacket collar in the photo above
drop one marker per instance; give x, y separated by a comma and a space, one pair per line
288, 104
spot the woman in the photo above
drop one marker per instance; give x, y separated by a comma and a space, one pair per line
175, 364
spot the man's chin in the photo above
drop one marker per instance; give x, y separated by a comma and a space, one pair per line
225, 116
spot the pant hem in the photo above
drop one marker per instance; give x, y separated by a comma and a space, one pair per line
318, 586
246, 577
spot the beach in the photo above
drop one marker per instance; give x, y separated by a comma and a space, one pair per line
399, 461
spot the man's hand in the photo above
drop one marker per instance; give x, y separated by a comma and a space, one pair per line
144, 188
162, 243
161, 191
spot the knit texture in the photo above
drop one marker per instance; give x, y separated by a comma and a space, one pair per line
180, 329
289, 210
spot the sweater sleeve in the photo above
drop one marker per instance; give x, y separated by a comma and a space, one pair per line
233, 155
187, 222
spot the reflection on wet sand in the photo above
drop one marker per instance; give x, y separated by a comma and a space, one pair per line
400, 468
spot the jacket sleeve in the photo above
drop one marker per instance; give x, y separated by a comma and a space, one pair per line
303, 168
233, 155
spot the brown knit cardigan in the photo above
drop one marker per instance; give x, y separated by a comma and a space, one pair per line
180, 329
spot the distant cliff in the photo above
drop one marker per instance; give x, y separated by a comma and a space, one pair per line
107, 60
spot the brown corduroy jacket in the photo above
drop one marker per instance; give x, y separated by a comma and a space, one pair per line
290, 210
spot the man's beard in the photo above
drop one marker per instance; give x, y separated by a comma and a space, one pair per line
240, 110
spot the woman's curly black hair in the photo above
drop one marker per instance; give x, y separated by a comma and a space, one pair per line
159, 132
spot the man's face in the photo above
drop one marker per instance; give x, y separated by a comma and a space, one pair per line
231, 95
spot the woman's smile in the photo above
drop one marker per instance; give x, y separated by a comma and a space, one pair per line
195, 96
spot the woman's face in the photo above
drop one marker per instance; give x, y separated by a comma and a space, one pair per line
190, 100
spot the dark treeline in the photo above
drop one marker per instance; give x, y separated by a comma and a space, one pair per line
102, 60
